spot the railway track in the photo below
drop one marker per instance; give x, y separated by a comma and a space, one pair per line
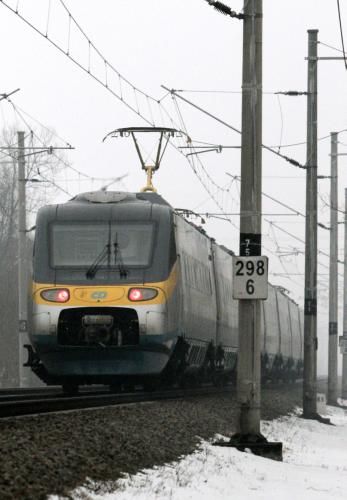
27, 403
17, 394
20, 402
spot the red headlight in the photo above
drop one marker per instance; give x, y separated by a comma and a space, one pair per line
138, 294
56, 295
135, 294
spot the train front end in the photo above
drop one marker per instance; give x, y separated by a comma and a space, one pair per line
104, 289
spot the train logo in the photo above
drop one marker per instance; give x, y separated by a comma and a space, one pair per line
99, 295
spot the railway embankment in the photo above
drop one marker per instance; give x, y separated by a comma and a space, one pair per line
55, 453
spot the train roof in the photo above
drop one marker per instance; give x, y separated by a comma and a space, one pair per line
118, 197
100, 203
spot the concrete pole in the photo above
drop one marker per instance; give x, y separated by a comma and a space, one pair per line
310, 320
344, 356
333, 283
22, 267
248, 372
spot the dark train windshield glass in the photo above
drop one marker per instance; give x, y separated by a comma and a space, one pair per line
80, 244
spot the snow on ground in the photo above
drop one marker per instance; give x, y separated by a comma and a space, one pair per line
314, 467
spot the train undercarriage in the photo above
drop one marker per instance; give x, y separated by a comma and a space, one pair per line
190, 364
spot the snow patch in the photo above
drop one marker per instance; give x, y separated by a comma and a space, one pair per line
314, 467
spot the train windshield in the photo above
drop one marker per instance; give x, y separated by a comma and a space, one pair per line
78, 245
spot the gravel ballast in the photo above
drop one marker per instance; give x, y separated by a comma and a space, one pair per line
55, 453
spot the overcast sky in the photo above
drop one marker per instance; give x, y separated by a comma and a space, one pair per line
185, 44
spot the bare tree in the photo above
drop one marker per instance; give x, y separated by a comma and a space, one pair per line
41, 168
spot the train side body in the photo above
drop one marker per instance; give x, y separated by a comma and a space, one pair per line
210, 314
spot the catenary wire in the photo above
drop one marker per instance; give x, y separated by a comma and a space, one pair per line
341, 32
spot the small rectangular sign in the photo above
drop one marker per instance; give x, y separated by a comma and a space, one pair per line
23, 325
250, 277
343, 344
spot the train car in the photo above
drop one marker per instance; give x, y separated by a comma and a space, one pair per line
126, 290
282, 337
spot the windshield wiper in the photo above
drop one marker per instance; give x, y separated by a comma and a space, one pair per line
105, 252
123, 272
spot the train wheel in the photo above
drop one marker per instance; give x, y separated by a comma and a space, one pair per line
151, 385
129, 387
70, 389
184, 381
115, 388
219, 379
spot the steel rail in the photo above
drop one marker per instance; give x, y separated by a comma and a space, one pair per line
30, 406
27, 394
20, 403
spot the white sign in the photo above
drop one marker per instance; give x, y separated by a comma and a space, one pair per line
343, 344
321, 403
250, 277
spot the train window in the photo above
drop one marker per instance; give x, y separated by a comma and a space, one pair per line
197, 274
225, 288
76, 244
135, 242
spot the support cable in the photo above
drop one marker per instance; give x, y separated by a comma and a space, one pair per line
294, 210
330, 46
341, 32
228, 125
79, 64
149, 118
298, 239
20, 112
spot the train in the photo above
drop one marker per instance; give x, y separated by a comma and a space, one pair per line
126, 290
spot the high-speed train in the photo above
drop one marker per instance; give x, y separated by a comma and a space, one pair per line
127, 290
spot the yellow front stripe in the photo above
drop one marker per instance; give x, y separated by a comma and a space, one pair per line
84, 295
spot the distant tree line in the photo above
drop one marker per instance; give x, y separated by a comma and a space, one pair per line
37, 195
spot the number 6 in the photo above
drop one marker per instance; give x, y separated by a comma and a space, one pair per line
250, 287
